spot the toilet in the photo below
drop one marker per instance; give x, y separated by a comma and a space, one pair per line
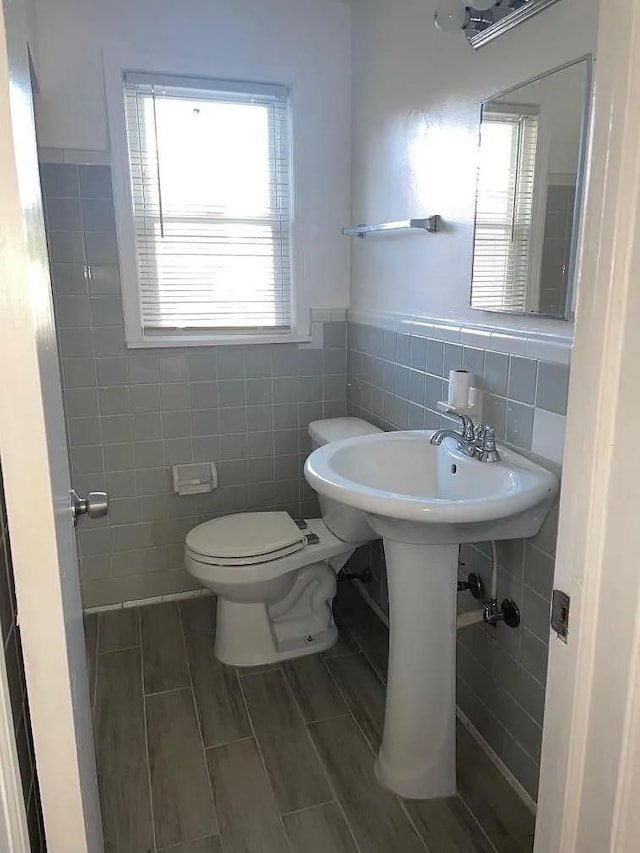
275, 578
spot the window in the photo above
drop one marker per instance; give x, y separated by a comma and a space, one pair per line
210, 197
505, 207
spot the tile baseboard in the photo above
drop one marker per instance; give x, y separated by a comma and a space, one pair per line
495, 759
143, 602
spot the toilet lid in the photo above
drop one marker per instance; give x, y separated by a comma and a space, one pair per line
246, 535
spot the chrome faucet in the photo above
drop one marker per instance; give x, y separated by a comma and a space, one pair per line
479, 442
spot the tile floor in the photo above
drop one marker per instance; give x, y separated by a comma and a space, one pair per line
196, 757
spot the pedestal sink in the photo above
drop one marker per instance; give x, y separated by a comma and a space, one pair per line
424, 501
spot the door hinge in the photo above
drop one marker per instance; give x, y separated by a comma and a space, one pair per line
560, 606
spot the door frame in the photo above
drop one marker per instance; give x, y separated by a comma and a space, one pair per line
590, 768
35, 466
14, 832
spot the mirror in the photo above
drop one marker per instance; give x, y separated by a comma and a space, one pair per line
528, 195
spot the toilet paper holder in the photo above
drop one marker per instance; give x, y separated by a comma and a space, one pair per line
195, 478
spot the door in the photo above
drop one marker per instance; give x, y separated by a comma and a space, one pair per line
36, 474
590, 780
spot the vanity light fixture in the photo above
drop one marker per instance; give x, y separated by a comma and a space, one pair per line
451, 16
483, 20
484, 5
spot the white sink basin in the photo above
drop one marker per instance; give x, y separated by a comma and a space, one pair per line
425, 500
441, 494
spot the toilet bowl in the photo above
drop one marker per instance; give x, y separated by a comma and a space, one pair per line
275, 578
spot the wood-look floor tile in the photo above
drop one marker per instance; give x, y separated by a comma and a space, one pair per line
504, 817
90, 621
313, 688
375, 815
126, 810
183, 807
211, 844
370, 633
198, 615
221, 708
296, 774
119, 712
163, 653
119, 629
447, 826
255, 670
364, 692
248, 814
322, 829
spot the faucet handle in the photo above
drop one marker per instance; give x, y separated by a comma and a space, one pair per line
468, 427
480, 432
486, 450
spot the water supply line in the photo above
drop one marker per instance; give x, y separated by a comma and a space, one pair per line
473, 617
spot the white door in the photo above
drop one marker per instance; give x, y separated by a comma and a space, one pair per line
36, 474
590, 776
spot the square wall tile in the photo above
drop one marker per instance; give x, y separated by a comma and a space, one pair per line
522, 379
553, 387
549, 435
519, 428
104, 280
95, 182
63, 214
496, 373
60, 180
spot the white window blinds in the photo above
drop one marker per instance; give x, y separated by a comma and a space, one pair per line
210, 183
504, 208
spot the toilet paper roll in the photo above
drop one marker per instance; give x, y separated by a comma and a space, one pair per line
459, 383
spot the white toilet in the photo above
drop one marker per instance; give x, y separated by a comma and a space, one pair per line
275, 578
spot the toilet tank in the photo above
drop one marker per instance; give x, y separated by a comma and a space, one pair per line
349, 525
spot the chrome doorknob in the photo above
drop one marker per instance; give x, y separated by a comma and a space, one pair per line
95, 505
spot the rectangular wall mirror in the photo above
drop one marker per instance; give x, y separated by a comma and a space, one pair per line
529, 193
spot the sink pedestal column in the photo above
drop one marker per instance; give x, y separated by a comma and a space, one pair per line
417, 758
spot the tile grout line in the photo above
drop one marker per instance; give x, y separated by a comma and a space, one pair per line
263, 762
94, 686
321, 762
412, 824
362, 649
370, 745
115, 651
366, 739
197, 713
146, 735
477, 823
310, 808
351, 711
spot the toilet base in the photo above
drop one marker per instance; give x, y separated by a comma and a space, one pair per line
254, 634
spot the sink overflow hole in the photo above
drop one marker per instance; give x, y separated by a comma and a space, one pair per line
454, 469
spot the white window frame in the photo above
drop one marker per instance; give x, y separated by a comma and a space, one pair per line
116, 65
534, 249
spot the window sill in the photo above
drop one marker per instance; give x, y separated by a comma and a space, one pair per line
179, 341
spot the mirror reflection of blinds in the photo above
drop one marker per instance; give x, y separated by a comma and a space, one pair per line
210, 182
504, 207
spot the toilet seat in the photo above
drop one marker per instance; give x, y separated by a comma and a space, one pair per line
244, 539
325, 546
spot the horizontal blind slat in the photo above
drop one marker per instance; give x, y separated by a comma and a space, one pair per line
211, 203
504, 209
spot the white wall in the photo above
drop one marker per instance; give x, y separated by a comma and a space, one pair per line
309, 40
417, 95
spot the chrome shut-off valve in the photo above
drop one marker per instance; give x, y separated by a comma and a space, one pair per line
507, 612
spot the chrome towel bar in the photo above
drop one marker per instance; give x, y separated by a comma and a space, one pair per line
430, 223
